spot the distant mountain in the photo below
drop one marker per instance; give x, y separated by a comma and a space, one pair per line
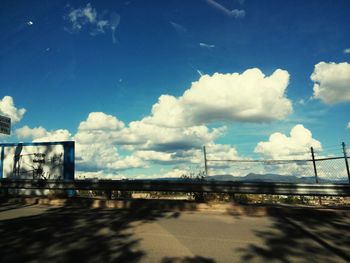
269, 178
261, 178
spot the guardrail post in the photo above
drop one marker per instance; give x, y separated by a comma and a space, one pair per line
108, 194
314, 163
346, 160
205, 161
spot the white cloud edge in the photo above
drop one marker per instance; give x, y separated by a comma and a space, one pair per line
8, 109
331, 82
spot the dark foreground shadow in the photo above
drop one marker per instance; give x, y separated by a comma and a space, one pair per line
187, 260
76, 233
302, 235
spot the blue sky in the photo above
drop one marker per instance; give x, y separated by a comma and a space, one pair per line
64, 60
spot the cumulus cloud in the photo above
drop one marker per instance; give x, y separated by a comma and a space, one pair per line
33, 133
97, 156
8, 108
40, 134
248, 97
155, 156
174, 173
347, 51
101, 121
331, 82
100, 127
297, 145
176, 130
348, 126
221, 152
55, 136
160, 138
100, 136
96, 144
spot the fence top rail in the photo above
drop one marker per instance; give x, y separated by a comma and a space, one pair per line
276, 160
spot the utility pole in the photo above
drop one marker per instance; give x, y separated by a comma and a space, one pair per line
346, 160
205, 161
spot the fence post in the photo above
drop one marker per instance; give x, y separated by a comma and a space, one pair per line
314, 163
315, 170
205, 161
346, 160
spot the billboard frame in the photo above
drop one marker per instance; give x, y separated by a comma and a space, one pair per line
68, 155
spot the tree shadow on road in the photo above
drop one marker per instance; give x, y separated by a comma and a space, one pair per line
80, 233
196, 259
303, 235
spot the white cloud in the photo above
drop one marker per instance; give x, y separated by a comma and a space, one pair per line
236, 13
101, 25
248, 97
156, 137
97, 175
40, 134
175, 131
8, 108
82, 16
55, 136
88, 17
32, 133
174, 173
347, 51
104, 156
101, 121
296, 146
205, 45
143, 136
155, 156
96, 144
100, 135
348, 125
221, 152
127, 162
331, 82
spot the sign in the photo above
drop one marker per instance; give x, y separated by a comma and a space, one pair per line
5, 125
38, 161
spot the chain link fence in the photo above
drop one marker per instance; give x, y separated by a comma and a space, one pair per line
316, 169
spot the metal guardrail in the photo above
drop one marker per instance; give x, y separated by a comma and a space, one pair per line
182, 186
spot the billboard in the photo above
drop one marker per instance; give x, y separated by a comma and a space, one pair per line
42, 160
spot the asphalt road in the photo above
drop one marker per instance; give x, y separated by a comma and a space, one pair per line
146, 234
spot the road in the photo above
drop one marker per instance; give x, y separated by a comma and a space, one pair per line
34, 233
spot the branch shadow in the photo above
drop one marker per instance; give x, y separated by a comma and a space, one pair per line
77, 232
195, 259
302, 235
